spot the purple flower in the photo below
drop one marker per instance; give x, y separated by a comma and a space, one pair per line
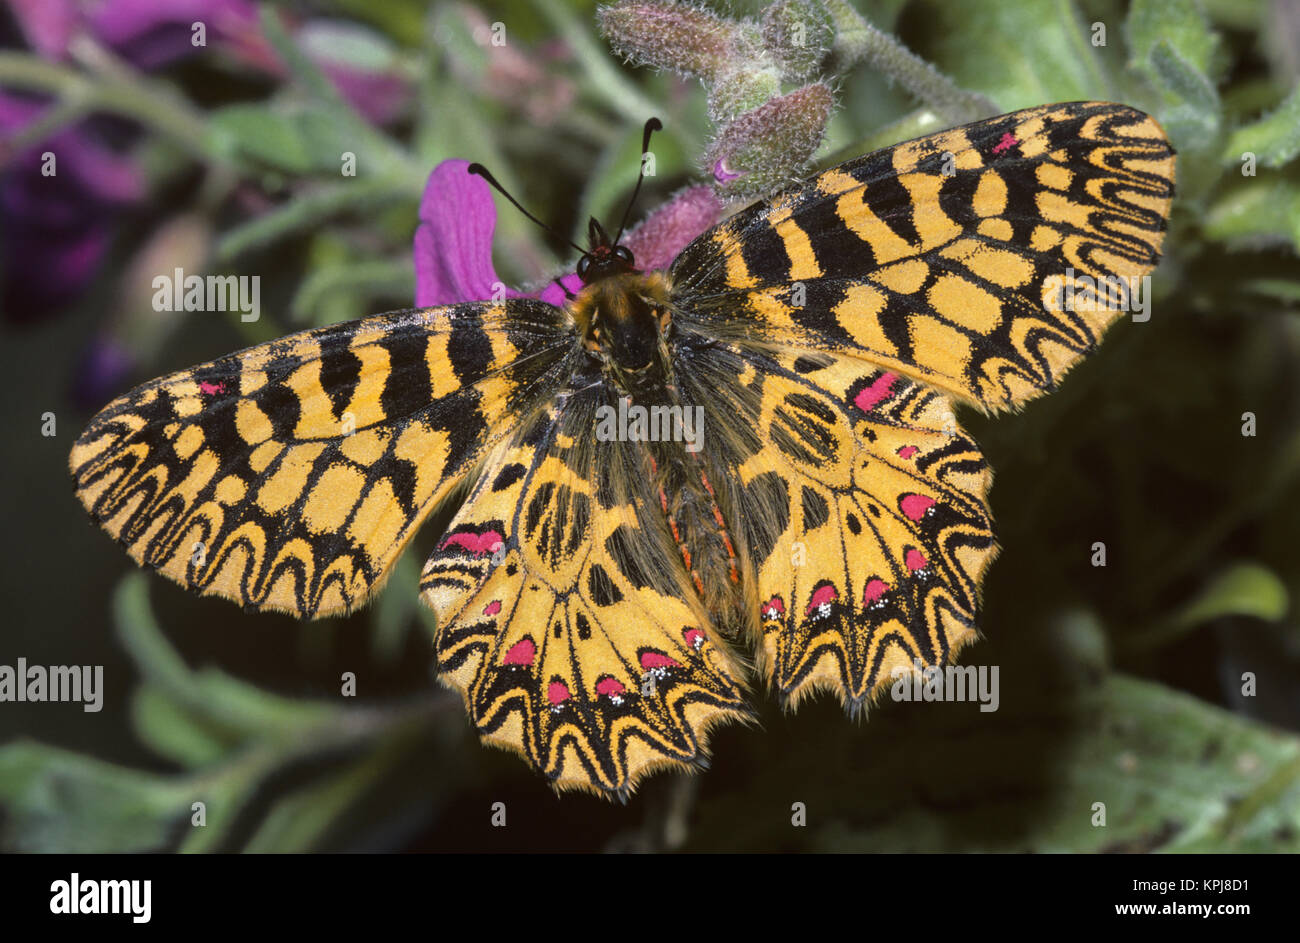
453, 242
154, 33
148, 33
57, 225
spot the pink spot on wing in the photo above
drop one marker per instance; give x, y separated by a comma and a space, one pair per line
915, 560
492, 608
521, 653
610, 687
210, 388
775, 608
652, 660
694, 637
557, 693
915, 505
877, 392
823, 597
873, 591
907, 451
477, 544
1008, 141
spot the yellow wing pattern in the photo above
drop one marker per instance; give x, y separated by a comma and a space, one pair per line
588, 592
969, 260
290, 475
565, 620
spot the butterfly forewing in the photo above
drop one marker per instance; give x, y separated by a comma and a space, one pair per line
952, 259
290, 475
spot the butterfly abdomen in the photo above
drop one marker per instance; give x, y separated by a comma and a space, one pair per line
700, 530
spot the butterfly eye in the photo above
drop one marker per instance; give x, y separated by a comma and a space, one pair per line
584, 264
623, 253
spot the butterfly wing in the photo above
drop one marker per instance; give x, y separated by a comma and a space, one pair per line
290, 475
967, 260
856, 311
564, 614
862, 515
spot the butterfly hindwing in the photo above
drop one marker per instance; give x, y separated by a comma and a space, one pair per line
888, 533
862, 516
564, 617
964, 260
290, 475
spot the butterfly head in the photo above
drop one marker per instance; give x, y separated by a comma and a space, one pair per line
603, 258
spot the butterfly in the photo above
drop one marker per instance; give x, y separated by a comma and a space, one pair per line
746, 466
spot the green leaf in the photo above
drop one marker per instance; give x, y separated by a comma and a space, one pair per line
1179, 23
58, 801
309, 209
1174, 774
1273, 139
257, 134
175, 731
1244, 589
615, 175
1021, 54
348, 288
351, 44
212, 694
1257, 213
1191, 110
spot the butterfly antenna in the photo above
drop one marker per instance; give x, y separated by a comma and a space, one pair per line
480, 171
651, 127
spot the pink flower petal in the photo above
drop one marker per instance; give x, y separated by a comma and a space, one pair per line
453, 243
663, 234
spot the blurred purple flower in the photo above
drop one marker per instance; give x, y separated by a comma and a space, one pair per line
453, 242
148, 33
154, 33
56, 227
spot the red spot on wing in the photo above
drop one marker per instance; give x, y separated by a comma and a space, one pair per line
521, 653
915, 560
653, 660
694, 637
210, 388
492, 608
907, 451
611, 687
874, 590
826, 594
1007, 142
477, 544
557, 692
876, 393
915, 505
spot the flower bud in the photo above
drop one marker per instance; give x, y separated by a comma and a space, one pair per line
667, 35
770, 146
798, 34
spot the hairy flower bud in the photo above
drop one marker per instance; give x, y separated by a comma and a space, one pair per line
668, 35
798, 34
770, 146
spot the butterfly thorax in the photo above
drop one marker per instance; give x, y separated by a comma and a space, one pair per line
624, 320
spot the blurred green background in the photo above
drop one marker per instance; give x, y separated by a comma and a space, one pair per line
1120, 685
